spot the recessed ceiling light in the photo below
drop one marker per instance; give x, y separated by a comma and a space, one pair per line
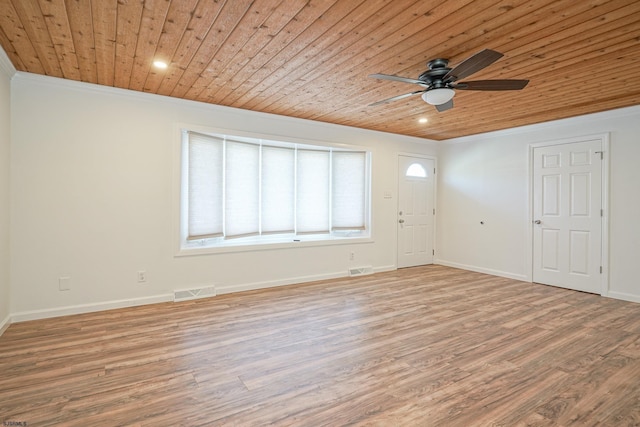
160, 64
423, 120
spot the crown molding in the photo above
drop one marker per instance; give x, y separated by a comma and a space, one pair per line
553, 124
184, 103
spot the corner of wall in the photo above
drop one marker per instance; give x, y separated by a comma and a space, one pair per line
4, 324
6, 65
7, 71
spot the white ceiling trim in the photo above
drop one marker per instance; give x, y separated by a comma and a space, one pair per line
370, 134
536, 127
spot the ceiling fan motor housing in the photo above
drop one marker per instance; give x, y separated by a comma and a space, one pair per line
437, 70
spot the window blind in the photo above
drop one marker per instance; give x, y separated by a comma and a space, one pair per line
204, 187
312, 193
278, 189
241, 193
348, 176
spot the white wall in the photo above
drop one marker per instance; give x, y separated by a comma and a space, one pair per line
6, 72
485, 178
92, 199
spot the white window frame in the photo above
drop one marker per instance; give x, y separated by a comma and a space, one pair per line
265, 242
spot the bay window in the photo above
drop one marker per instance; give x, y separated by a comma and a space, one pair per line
251, 191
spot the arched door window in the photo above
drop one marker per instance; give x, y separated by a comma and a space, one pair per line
416, 170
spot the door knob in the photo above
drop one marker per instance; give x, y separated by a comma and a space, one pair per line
401, 221
537, 221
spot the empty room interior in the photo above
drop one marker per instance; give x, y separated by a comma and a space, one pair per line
319, 213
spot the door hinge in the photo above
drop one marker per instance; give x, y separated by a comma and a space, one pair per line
433, 252
434, 171
601, 154
434, 211
601, 212
600, 269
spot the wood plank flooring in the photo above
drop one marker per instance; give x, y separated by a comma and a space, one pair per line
425, 346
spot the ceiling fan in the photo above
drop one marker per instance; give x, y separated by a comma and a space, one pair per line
439, 81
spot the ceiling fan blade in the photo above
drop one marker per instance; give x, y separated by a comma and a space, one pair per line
473, 64
396, 98
492, 85
446, 106
397, 79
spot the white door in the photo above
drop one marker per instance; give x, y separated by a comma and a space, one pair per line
567, 214
415, 211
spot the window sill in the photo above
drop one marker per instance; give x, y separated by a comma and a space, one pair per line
229, 246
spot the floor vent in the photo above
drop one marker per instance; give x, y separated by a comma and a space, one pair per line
189, 294
360, 271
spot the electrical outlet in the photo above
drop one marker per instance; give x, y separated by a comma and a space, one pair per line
142, 276
64, 283
352, 256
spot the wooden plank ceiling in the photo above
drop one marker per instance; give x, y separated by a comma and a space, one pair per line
311, 58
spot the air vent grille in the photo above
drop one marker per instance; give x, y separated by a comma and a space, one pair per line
360, 271
195, 293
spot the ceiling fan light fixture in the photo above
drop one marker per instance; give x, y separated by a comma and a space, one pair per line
438, 96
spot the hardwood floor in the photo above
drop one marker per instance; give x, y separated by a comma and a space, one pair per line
427, 346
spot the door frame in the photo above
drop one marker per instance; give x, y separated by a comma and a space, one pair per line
604, 250
435, 199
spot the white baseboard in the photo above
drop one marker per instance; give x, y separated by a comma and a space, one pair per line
384, 268
508, 275
87, 308
623, 296
611, 294
4, 324
220, 289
